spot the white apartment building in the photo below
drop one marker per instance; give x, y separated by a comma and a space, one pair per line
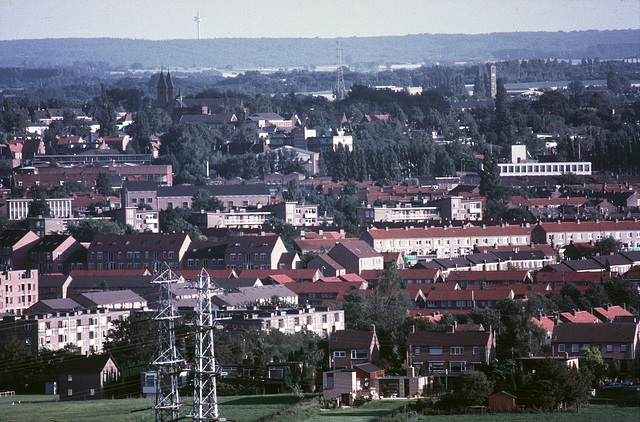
559, 234
445, 242
371, 214
87, 330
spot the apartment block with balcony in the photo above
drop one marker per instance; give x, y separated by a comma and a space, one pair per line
86, 330
18, 291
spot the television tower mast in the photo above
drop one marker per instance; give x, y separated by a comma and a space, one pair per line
340, 89
205, 369
197, 20
168, 361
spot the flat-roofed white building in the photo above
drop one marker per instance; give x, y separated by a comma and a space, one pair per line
521, 165
18, 209
372, 214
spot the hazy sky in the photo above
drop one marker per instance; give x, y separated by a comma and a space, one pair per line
170, 19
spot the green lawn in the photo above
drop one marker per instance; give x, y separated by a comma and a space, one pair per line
279, 407
595, 413
41, 408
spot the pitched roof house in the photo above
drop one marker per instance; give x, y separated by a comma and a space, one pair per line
357, 256
87, 377
14, 248
348, 348
454, 351
618, 341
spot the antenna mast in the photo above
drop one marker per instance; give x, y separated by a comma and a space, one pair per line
205, 396
168, 361
340, 89
197, 20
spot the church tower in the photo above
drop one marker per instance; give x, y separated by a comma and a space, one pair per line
170, 90
163, 94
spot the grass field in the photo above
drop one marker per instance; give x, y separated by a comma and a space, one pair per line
275, 408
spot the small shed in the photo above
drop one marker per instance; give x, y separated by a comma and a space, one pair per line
502, 401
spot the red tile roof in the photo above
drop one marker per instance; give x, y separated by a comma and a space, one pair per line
610, 312
110, 273
281, 278
468, 276
193, 274
294, 274
580, 317
545, 323
571, 277
352, 278
607, 225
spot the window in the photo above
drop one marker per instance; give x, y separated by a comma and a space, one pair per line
435, 350
339, 354
476, 350
457, 366
609, 347
416, 351
436, 366
623, 347
359, 354
70, 392
92, 391
457, 350
560, 348
575, 348
329, 380
69, 378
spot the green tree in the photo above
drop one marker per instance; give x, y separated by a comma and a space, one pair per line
593, 362
286, 231
15, 361
103, 184
177, 220
473, 389
490, 178
39, 207
85, 230
203, 200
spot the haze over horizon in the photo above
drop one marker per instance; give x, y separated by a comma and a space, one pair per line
165, 19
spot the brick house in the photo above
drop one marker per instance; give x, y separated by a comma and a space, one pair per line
254, 252
51, 253
329, 266
453, 351
15, 246
357, 256
619, 342
87, 377
137, 251
348, 348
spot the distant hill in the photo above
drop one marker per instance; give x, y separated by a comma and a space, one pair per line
298, 52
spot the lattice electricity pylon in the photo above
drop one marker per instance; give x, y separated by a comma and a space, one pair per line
340, 89
205, 369
168, 361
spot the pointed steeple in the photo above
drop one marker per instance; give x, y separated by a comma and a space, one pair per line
161, 82
171, 95
162, 97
